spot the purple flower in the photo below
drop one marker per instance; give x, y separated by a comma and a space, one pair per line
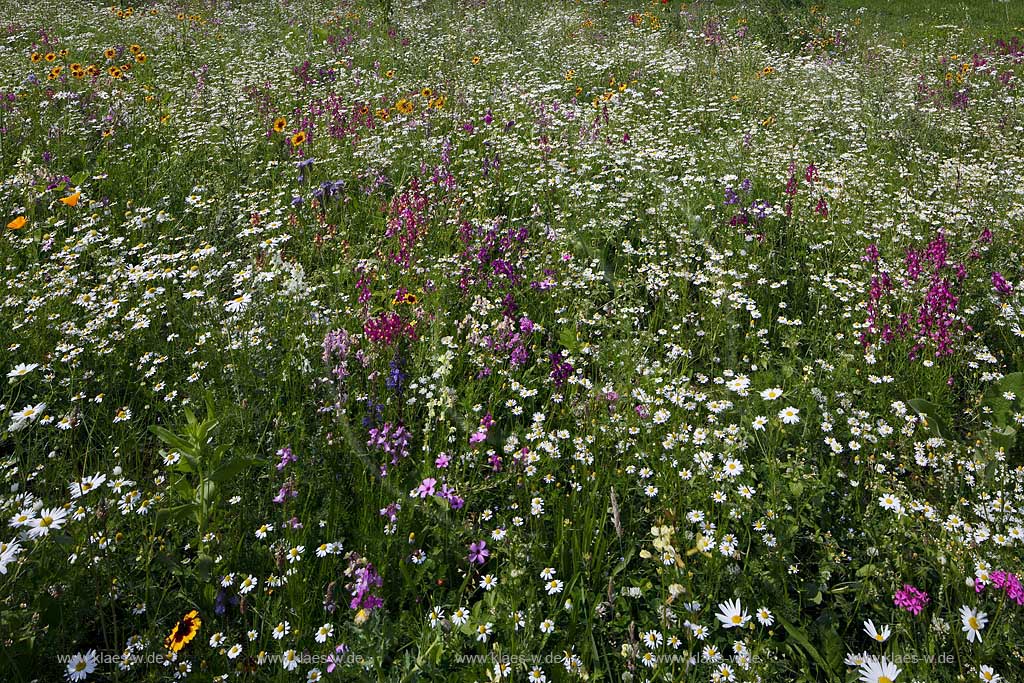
285, 492
391, 511
478, 552
560, 369
367, 579
335, 659
286, 456
1000, 283
442, 461
871, 253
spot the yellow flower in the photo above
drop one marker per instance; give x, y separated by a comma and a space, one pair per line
110, 53
183, 632
280, 123
18, 223
299, 138
72, 200
426, 93
476, 59
404, 106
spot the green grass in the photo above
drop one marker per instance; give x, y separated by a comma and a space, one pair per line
669, 305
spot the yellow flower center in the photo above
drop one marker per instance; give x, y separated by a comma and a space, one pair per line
46, 521
973, 623
884, 679
736, 619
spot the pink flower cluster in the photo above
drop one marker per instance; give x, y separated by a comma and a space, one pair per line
1006, 582
911, 599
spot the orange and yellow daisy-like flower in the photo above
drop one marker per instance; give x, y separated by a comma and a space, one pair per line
280, 123
404, 106
72, 200
298, 138
183, 632
110, 53
18, 223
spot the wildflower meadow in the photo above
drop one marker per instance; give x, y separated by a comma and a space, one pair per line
479, 340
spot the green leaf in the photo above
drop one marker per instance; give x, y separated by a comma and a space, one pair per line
232, 469
801, 638
176, 513
173, 440
930, 413
1013, 383
205, 492
866, 570
1004, 438
567, 338
183, 488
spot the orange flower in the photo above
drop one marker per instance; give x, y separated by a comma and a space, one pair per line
18, 223
72, 200
299, 138
183, 632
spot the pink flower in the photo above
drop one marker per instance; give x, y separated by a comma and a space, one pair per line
911, 599
427, 487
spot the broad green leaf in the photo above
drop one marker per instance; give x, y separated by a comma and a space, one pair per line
800, 637
176, 513
173, 440
930, 414
232, 469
